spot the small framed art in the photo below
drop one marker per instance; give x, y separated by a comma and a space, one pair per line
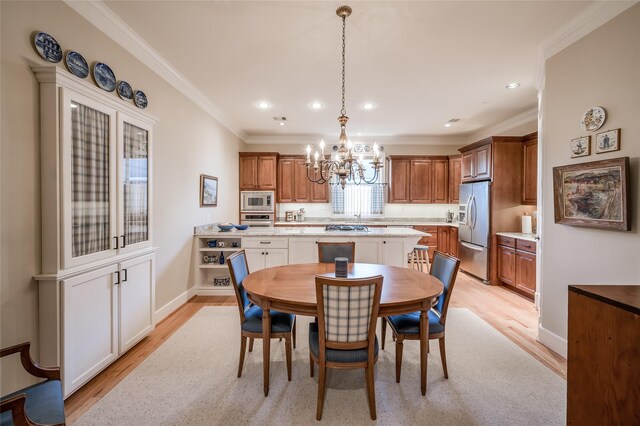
208, 191
581, 147
608, 141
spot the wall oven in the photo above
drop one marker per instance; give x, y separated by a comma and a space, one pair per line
257, 219
257, 201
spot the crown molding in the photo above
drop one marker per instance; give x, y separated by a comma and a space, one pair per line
104, 19
527, 117
383, 140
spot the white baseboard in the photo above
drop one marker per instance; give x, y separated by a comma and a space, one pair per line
552, 341
168, 309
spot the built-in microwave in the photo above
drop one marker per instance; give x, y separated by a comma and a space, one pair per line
257, 201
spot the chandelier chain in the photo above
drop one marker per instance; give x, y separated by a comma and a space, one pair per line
343, 111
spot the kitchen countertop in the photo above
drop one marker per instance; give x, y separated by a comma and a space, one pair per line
316, 221
519, 235
210, 230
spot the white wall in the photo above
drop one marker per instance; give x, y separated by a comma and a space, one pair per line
187, 142
603, 68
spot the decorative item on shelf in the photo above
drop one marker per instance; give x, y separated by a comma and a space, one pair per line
212, 243
222, 258
594, 118
140, 99
581, 147
208, 191
222, 244
344, 166
234, 244
221, 282
288, 216
593, 194
124, 90
341, 267
300, 215
76, 64
241, 227
104, 77
47, 47
211, 258
224, 228
608, 141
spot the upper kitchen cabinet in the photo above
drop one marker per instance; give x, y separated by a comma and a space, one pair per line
530, 169
293, 184
258, 171
455, 179
418, 179
476, 161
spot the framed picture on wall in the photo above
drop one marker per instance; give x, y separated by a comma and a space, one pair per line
593, 194
581, 147
208, 191
608, 141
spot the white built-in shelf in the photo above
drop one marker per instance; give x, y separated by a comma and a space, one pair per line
213, 266
220, 249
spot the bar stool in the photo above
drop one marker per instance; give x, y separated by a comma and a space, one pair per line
420, 259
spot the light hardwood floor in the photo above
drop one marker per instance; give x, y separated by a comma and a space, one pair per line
509, 313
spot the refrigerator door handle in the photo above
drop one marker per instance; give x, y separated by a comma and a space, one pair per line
468, 215
471, 246
474, 207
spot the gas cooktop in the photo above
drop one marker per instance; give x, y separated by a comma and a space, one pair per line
358, 228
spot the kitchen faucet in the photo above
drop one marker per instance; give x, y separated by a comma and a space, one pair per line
358, 216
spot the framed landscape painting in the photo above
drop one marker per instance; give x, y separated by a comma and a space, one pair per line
208, 191
594, 194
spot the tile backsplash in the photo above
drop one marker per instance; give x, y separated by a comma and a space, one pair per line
390, 210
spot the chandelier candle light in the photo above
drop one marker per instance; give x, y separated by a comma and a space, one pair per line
323, 168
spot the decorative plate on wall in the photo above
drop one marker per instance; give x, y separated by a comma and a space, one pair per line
140, 99
76, 64
594, 118
104, 77
47, 47
124, 90
357, 148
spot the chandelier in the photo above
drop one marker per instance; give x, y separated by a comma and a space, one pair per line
323, 168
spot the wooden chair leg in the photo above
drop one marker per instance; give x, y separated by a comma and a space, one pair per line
371, 392
443, 357
287, 347
321, 382
250, 344
399, 347
243, 349
383, 333
311, 365
295, 327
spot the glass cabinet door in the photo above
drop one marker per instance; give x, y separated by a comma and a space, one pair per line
134, 184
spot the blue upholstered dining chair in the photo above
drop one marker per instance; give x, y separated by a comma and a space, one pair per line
407, 326
328, 251
282, 325
345, 334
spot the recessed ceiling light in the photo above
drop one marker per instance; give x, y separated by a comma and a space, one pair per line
316, 105
282, 123
359, 134
448, 124
368, 105
263, 105
512, 85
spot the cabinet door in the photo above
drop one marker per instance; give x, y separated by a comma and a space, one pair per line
137, 300
368, 250
421, 181
525, 271
255, 259
453, 241
276, 257
90, 324
431, 241
399, 185
467, 165
285, 180
266, 173
530, 173
248, 172
88, 180
300, 182
443, 239
483, 162
303, 250
134, 184
440, 181
319, 193
506, 264
393, 252
455, 178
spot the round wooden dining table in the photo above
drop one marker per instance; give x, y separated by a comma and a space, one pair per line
291, 289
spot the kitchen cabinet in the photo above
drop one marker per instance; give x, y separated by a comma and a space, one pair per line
293, 184
303, 250
530, 169
394, 252
265, 252
368, 250
455, 179
517, 264
476, 161
258, 171
431, 241
418, 179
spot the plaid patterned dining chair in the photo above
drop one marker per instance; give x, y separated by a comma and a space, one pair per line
282, 325
345, 334
328, 251
407, 326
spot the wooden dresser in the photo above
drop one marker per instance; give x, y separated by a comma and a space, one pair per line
603, 363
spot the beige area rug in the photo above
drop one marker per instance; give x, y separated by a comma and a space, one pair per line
191, 380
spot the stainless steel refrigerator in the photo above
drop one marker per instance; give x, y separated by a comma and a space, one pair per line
473, 232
